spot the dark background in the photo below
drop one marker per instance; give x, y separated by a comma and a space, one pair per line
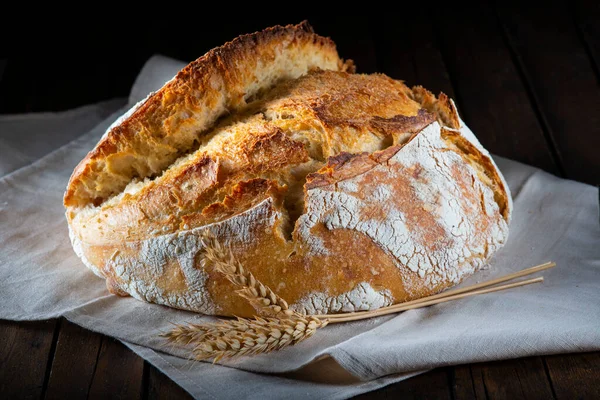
525, 79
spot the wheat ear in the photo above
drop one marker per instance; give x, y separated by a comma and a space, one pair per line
261, 297
239, 337
242, 336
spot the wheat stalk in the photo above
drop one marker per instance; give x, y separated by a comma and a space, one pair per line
243, 336
239, 337
261, 297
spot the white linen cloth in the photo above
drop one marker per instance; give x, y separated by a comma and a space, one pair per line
41, 277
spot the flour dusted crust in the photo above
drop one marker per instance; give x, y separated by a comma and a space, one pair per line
340, 191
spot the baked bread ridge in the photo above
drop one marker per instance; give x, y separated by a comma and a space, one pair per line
422, 208
167, 123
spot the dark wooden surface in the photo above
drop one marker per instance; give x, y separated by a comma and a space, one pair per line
526, 80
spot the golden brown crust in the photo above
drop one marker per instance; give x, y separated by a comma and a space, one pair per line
244, 195
272, 150
348, 165
342, 192
440, 106
336, 101
401, 124
169, 121
342, 166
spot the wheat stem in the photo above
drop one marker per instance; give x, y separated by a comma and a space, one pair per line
239, 337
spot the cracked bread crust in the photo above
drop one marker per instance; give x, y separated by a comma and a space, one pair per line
166, 124
340, 191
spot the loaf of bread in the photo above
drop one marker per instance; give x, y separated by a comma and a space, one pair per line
340, 191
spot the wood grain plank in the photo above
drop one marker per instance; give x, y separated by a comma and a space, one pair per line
432, 72
74, 362
563, 82
493, 100
3, 62
396, 57
353, 36
106, 67
463, 387
161, 386
523, 378
587, 18
409, 52
478, 381
119, 372
25, 353
431, 385
575, 376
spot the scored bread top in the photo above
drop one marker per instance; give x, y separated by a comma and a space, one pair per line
164, 126
282, 136
299, 127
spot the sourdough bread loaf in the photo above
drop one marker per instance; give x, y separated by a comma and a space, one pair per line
340, 191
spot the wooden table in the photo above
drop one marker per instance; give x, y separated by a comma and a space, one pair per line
525, 80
